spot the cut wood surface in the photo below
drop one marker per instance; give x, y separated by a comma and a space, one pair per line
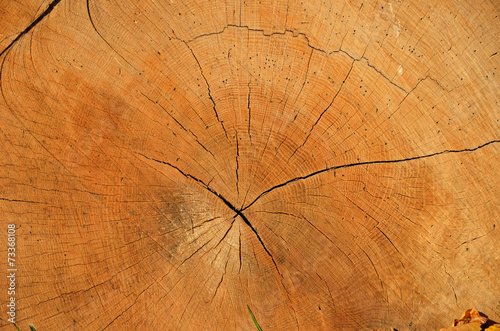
333, 165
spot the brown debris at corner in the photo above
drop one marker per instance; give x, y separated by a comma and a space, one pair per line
473, 320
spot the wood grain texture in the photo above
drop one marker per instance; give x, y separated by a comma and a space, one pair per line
334, 165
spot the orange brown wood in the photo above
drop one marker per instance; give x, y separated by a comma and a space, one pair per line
334, 165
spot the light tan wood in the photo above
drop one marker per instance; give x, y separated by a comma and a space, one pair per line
334, 165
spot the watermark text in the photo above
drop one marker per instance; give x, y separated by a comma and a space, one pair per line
11, 272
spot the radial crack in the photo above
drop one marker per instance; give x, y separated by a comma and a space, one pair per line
32, 25
104, 39
374, 268
305, 76
247, 222
350, 165
179, 123
324, 111
390, 241
208, 87
237, 166
226, 202
249, 112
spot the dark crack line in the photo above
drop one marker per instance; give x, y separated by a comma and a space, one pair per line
226, 202
301, 34
305, 76
249, 112
291, 305
220, 282
390, 241
227, 232
283, 284
451, 285
327, 287
25, 201
237, 165
227, 258
208, 87
324, 111
239, 240
350, 165
124, 311
179, 123
383, 75
202, 183
206, 221
104, 39
247, 222
328, 238
225, 271
196, 251
476, 238
47, 11
374, 268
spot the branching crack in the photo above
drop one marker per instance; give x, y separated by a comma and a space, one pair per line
179, 123
324, 111
350, 165
208, 87
301, 34
237, 211
340, 50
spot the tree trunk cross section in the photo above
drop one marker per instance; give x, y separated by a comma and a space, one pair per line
333, 165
